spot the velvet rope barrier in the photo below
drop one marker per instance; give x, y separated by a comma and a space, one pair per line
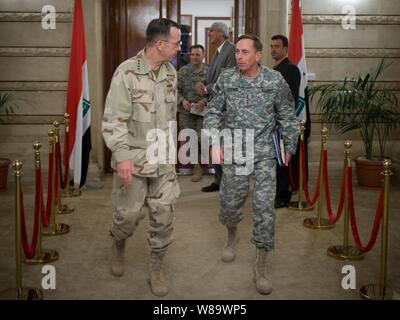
310, 201
56, 178
333, 218
66, 160
377, 220
63, 177
30, 249
46, 211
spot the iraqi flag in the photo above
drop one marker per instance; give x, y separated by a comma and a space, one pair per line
78, 105
298, 57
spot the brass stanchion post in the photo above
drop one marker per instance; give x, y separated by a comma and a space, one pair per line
319, 222
381, 291
42, 255
345, 251
55, 229
19, 293
68, 192
61, 209
300, 204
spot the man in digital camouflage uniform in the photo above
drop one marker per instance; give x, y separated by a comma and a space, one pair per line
142, 97
188, 77
251, 96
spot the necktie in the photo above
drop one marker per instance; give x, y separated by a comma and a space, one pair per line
211, 70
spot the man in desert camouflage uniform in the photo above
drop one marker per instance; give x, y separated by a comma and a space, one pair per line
251, 97
142, 97
188, 77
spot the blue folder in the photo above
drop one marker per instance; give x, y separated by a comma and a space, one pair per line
279, 146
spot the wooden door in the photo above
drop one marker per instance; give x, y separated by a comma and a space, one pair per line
125, 33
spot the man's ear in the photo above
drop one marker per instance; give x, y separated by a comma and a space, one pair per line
286, 50
258, 56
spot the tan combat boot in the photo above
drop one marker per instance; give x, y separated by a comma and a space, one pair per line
263, 284
229, 252
118, 253
157, 280
197, 173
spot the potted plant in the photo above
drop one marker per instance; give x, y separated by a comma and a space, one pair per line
358, 104
7, 105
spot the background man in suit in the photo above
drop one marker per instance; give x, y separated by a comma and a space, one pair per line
223, 58
290, 72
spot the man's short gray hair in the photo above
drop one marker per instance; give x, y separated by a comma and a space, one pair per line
222, 26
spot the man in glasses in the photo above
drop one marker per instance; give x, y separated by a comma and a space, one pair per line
143, 97
223, 58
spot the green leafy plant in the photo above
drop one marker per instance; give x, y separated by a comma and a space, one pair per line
8, 104
358, 104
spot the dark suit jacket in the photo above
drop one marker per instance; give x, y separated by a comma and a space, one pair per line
226, 59
291, 74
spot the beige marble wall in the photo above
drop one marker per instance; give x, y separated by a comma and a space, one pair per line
34, 67
273, 19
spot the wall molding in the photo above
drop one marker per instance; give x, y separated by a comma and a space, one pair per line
33, 86
351, 53
65, 17
38, 119
360, 19
34, 52
390, 85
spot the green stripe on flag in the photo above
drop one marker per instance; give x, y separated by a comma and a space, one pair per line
86, 106
300, 106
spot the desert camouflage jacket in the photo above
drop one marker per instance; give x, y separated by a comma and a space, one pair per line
140, 100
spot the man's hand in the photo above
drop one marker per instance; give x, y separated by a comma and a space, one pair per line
186, 105
201, 89
288, 156
202, 104
217, 154
124, 171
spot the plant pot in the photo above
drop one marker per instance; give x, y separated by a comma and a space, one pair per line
369, 172
4, 164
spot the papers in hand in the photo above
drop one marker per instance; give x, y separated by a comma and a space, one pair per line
279, 146
195, 109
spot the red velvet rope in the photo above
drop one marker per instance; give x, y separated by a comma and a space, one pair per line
57, 177
305, 182
66, 160
377, 220
63, 178
338, 214
46, 211
30, 249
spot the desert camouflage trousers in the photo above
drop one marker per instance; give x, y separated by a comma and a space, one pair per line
233, 193
158, 195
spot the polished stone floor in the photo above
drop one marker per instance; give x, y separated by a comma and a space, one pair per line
299, 266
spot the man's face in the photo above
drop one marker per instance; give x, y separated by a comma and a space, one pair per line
196, 56
278, 51
247, 57
171, 46
216, 36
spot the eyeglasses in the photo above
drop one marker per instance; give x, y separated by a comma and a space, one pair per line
175, 44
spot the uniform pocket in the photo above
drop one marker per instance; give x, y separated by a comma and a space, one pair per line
143, 106
171, 105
